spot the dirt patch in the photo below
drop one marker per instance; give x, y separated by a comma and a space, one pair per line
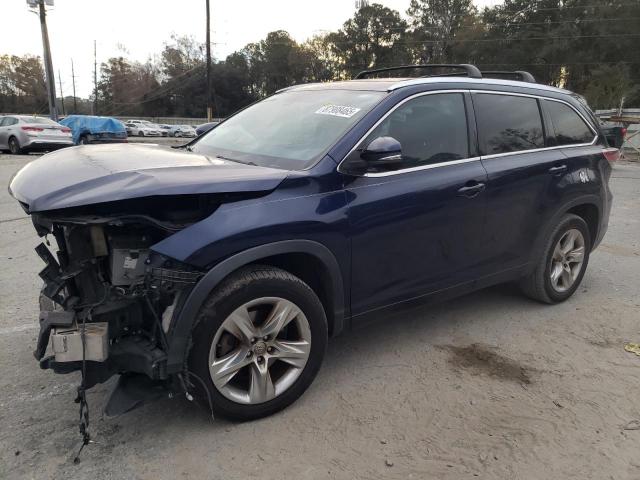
481, 359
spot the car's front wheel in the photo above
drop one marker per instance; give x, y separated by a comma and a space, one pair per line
565, 257
259, 342
141, 133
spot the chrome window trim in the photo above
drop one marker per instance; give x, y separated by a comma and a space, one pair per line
421, 167
409, 169
471, 159
534, 150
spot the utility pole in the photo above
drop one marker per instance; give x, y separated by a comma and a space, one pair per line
95, 80
48, 65
209, 102
73, 80
61, 94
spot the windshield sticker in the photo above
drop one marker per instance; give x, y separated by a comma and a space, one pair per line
338, 111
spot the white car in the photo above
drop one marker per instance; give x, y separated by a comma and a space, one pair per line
142, 128
182, 131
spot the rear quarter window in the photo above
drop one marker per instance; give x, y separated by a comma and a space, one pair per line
508, 123
570, 128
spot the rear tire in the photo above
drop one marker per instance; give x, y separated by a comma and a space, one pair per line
565, 256
83, 140
140, 133
237, 392
14, 147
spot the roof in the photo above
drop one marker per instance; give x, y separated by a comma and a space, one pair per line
391, 84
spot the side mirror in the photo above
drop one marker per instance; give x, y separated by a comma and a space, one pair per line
383, 151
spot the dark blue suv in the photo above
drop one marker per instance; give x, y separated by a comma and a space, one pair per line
220, 269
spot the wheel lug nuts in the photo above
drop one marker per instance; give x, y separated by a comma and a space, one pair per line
265, 338
270, 349
260, 359
254, 340
249, 353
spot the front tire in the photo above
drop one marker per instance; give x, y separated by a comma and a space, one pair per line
258, 343
564, 261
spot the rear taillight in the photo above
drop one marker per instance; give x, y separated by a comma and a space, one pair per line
66, 130
611, 154
624, 133
32, 129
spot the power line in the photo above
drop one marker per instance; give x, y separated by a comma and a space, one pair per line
519, 24
566, 7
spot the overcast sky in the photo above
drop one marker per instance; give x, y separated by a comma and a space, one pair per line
143, 26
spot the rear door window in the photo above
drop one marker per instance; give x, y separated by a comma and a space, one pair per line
570, 128
508, 123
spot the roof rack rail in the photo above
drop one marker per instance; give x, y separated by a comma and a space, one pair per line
520, 75
471, 70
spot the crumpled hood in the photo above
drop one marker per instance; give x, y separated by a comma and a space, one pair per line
103, 173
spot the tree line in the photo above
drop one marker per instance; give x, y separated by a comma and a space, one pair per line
588, 46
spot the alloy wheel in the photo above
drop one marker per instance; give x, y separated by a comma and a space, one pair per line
260, 350
567, 259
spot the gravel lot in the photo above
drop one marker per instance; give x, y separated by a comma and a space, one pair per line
491, 385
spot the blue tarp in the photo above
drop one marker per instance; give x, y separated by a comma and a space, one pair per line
87, 124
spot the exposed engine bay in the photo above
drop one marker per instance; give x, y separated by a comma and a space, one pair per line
108, 300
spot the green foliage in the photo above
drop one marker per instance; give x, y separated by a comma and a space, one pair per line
22, 86
373, 37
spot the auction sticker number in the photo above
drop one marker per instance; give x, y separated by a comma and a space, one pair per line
338, 111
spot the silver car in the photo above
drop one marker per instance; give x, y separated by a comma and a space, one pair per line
24, 133
182, 131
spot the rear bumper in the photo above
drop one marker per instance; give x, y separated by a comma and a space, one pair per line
36, 144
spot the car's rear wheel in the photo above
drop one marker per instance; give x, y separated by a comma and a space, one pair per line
565, 257
259, 341
83, 140
14, 146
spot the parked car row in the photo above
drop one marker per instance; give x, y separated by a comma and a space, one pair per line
145, 128
25, 133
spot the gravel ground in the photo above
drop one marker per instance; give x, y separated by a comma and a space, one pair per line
491, 385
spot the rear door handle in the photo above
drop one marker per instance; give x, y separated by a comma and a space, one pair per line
558, 169
471, 189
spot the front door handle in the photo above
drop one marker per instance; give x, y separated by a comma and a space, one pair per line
471, 189
558, 169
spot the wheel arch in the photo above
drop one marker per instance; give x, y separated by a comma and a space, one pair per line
590, 213
329, 287
588, 207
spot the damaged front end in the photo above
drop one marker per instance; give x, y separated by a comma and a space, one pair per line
108, 299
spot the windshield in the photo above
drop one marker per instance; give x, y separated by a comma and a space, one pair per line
290, 130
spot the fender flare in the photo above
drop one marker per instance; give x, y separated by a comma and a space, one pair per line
184, 319
555, 218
